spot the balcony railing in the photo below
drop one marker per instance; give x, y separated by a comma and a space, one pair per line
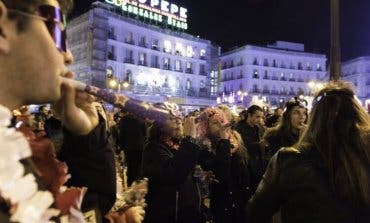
166, 67
266, 77
265, 91
202, 57
143, 44
179, 70
154, 47
111, 56
189, 71
130, 41
255, 90
155, 65
203, 73
142, 63
112, 36
274, 78
129, 60
292, 79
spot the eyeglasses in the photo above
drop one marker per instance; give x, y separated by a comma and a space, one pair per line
55, 23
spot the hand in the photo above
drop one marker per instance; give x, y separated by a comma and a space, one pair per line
301, 129
75, 110
190, 127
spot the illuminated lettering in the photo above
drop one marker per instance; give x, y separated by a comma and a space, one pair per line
141, 12
174, 9
154, 3
142, 1
135, 11
146, 14
164, 6
183, 12
169, 21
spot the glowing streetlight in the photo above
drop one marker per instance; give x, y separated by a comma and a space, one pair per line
113, 83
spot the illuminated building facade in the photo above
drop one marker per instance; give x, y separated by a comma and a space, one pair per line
273, 74
357, 71
140, 49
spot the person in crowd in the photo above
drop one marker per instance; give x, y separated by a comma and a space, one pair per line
287, 133
249, 130
132, 138
226, 157
169, 160
274, 120
92, 164
326, 176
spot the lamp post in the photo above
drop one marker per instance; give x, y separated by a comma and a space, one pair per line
335, 54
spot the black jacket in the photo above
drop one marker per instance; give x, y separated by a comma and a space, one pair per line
251, 138
297, 182
90, 161
230, 195
173, 194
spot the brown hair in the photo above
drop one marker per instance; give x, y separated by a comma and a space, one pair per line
29, 6
339, 129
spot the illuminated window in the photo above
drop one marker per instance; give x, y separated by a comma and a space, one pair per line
177, 65
166, 63
202, 85
189, 51
155, 45
177, 83
179, 49
109, 72
188, 84
202, 53
167, 46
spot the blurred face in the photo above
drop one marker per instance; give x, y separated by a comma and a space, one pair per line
214, 127
255, 118
298, 117
279, 112
174, 127
32, 62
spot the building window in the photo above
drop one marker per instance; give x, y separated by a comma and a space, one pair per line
178, 65
202, 54
166, 63
155, 44
255, 73
202, 85
202, 69
109, 72
318, 67
282, 77
142, 41
142, 59
265, 62
111, 52
129, 38
274, 63
188, 84
189, 51
300, 66
189, 67
154, 61
266, 75
179, 49
177, 83
255, 61
167, 46
129, 57
241, 74
112, 33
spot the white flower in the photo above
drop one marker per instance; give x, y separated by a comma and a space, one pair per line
5, 116
22, 188
9, 174
32, 210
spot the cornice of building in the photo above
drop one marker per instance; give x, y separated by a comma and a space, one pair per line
357, 59
273, 50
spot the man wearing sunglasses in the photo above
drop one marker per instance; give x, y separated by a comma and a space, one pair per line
33, 58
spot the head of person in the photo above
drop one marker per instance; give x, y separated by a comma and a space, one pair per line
339, 129
212, 121
168, 125
254, 115
279, 112
294, 117
33, 51
43, 110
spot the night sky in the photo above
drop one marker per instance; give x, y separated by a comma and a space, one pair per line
238, 22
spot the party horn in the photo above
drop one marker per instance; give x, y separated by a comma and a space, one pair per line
140, 108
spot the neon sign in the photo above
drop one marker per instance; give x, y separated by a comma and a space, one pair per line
155, 10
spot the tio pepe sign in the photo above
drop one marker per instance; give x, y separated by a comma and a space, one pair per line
157, 10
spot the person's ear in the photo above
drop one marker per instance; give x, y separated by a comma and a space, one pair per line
4, 42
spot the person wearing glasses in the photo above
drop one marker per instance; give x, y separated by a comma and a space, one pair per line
33, 59
326, 176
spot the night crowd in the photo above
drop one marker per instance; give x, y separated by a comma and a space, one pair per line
74, 160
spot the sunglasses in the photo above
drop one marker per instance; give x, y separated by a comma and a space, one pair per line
55, 23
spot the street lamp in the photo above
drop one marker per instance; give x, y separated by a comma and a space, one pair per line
335, 55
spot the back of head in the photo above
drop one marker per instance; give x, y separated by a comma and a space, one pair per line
338, 127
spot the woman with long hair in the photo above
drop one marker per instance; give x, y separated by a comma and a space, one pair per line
288, 131
326, 176
227, 159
